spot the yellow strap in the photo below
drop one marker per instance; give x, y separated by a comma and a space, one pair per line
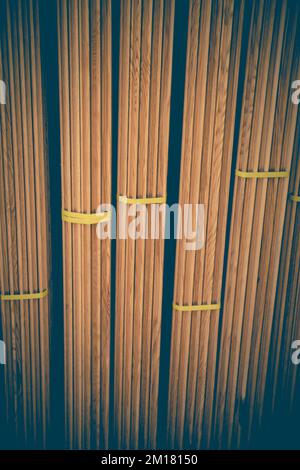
142, 200
262, 174
38, 295
85, 219
295, 198
196, 308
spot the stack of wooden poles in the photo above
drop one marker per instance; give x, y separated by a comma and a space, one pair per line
24, 242
217, 388
146, 43
284, 374
85, 120
212, 64
266, 137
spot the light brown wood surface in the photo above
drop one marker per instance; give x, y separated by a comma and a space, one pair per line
213, 55
265, 143
85, 64
146, 47
24, 225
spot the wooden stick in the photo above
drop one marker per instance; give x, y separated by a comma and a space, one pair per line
122, 187
86, 207
23, 276
106, 171
42, 207
154, 122
141, 192
162, 164
133, 118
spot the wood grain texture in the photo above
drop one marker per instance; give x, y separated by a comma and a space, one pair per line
265, 143
85, 58
282, 372
230, 369
25, 225
146, 47
213, 55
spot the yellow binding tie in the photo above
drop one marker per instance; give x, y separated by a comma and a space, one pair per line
262, 174
142, 200
35, 296
295, 198
196, 308
84, 219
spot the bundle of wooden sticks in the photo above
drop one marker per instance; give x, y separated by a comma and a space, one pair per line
85, 117
24, 234
146, 46
235, 313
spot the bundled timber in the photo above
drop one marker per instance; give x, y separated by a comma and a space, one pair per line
235, 333
284, 376
24, 234
146, 43
266, 136
84, 30
212, 64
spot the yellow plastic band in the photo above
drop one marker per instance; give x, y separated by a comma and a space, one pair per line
38, 295
142, 200
262, 174
196, 308
295, 198
84, 219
